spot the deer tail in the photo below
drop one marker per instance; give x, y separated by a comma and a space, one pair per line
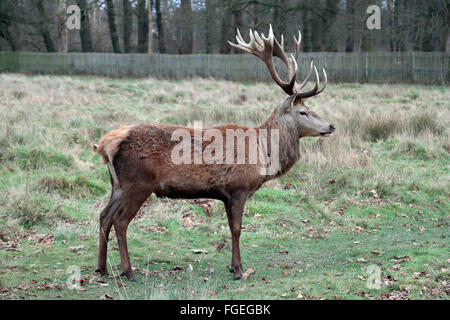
108, 146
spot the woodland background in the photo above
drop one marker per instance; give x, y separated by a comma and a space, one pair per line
204, 26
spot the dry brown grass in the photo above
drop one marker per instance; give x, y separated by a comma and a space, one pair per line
47, 108
48, 122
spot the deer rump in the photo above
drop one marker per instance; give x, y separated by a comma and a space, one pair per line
141, 154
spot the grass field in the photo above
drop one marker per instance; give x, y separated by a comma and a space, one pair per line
373, 199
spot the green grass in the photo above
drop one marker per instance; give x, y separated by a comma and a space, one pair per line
374, 195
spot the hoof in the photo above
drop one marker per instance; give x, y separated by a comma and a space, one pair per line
103, 272
130, 277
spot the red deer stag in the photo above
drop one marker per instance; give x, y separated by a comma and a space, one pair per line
139, 157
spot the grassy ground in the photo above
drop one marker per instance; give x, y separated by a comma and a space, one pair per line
364, 208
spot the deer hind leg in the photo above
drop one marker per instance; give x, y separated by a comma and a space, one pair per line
234, 208
132, 202
106, 221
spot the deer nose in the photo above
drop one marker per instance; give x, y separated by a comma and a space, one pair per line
332, 127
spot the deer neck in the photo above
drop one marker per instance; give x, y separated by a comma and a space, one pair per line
289, 149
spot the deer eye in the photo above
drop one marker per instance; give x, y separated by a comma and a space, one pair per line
302, 113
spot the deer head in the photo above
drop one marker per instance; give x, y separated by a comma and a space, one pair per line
293, 111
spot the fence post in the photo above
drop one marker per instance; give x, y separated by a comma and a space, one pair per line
413, 66
344, 67
367, 67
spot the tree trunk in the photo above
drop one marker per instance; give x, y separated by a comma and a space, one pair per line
255, 16
187, 37
350, 40
44, 27
85, 31
4, 32
150, 26
391, 25
399, 28
112, 26
209, 23
443, 39
237, 15
306, 33
279, 17
160, 27
62, 29
276, 17
142, 15
127, 25
225, 29
316, 35
329, 18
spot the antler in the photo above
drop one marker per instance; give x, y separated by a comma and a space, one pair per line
266, 48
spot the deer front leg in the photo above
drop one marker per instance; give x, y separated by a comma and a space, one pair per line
235, 208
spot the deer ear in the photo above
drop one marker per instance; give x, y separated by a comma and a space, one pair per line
287, 104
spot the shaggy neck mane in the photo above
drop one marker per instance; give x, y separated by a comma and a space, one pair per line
289, 149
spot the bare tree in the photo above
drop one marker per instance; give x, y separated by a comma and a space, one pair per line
85, 30
225, 27
160, 27
44, 26
187, 36
112, 26
127, 25
209, 22
6, 18
350, 40
150, 26
329, 18
142, 20
62, 29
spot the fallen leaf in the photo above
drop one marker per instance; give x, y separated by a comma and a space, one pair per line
48, 243
374, 252
198, 251
265, 280
76, 248
106, 297
247, 273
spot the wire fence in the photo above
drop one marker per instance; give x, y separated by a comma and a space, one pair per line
376, 67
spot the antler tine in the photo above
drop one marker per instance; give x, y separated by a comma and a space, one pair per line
306, 79
258, 39
297, 43
325, 77
315, 91
266, 48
